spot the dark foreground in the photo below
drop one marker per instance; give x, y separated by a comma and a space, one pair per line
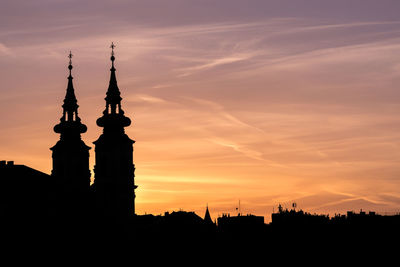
144, 234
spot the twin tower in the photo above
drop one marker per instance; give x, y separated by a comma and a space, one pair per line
113, 190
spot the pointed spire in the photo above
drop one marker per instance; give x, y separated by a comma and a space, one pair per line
70, 107
113, 94
70, 103
113, 115
207, 217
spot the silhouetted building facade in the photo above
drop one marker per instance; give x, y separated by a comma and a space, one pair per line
240, 223
25, 192
295, 217
71, 171
114, 170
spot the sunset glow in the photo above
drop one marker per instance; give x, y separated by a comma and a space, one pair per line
265, 102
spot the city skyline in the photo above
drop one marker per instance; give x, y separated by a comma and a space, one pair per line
265, 108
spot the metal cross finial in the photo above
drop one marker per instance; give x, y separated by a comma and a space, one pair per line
112, 48
70, 64
70, 58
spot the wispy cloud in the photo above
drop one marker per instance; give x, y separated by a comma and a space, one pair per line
144, 98
213, 63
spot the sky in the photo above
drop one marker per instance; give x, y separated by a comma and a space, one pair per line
263, 102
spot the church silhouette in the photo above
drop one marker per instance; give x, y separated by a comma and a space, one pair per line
112, 192
34, 202
66, 206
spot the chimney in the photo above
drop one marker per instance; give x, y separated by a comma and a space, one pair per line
2, 163
10, 163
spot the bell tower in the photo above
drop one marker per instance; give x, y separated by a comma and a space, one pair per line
71, 155
114, 184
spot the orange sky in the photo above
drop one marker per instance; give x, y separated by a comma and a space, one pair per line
262, 107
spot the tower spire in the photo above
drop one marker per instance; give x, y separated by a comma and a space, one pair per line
114, 184
113, 102
71, 156
70, 105
70, 123
207, 217
113, 94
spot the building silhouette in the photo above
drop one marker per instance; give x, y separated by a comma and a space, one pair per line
25, 192
240, 223
297, 217
64, 206
70, 155
114, 186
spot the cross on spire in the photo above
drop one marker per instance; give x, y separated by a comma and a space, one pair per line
70, 63
112, 48
70, 125
113, 119
70, 57
112, 56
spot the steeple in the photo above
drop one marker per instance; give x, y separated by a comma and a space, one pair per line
113, 94
71, 156
113, 116
207, 217
70, 102
70, 124
114, 185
